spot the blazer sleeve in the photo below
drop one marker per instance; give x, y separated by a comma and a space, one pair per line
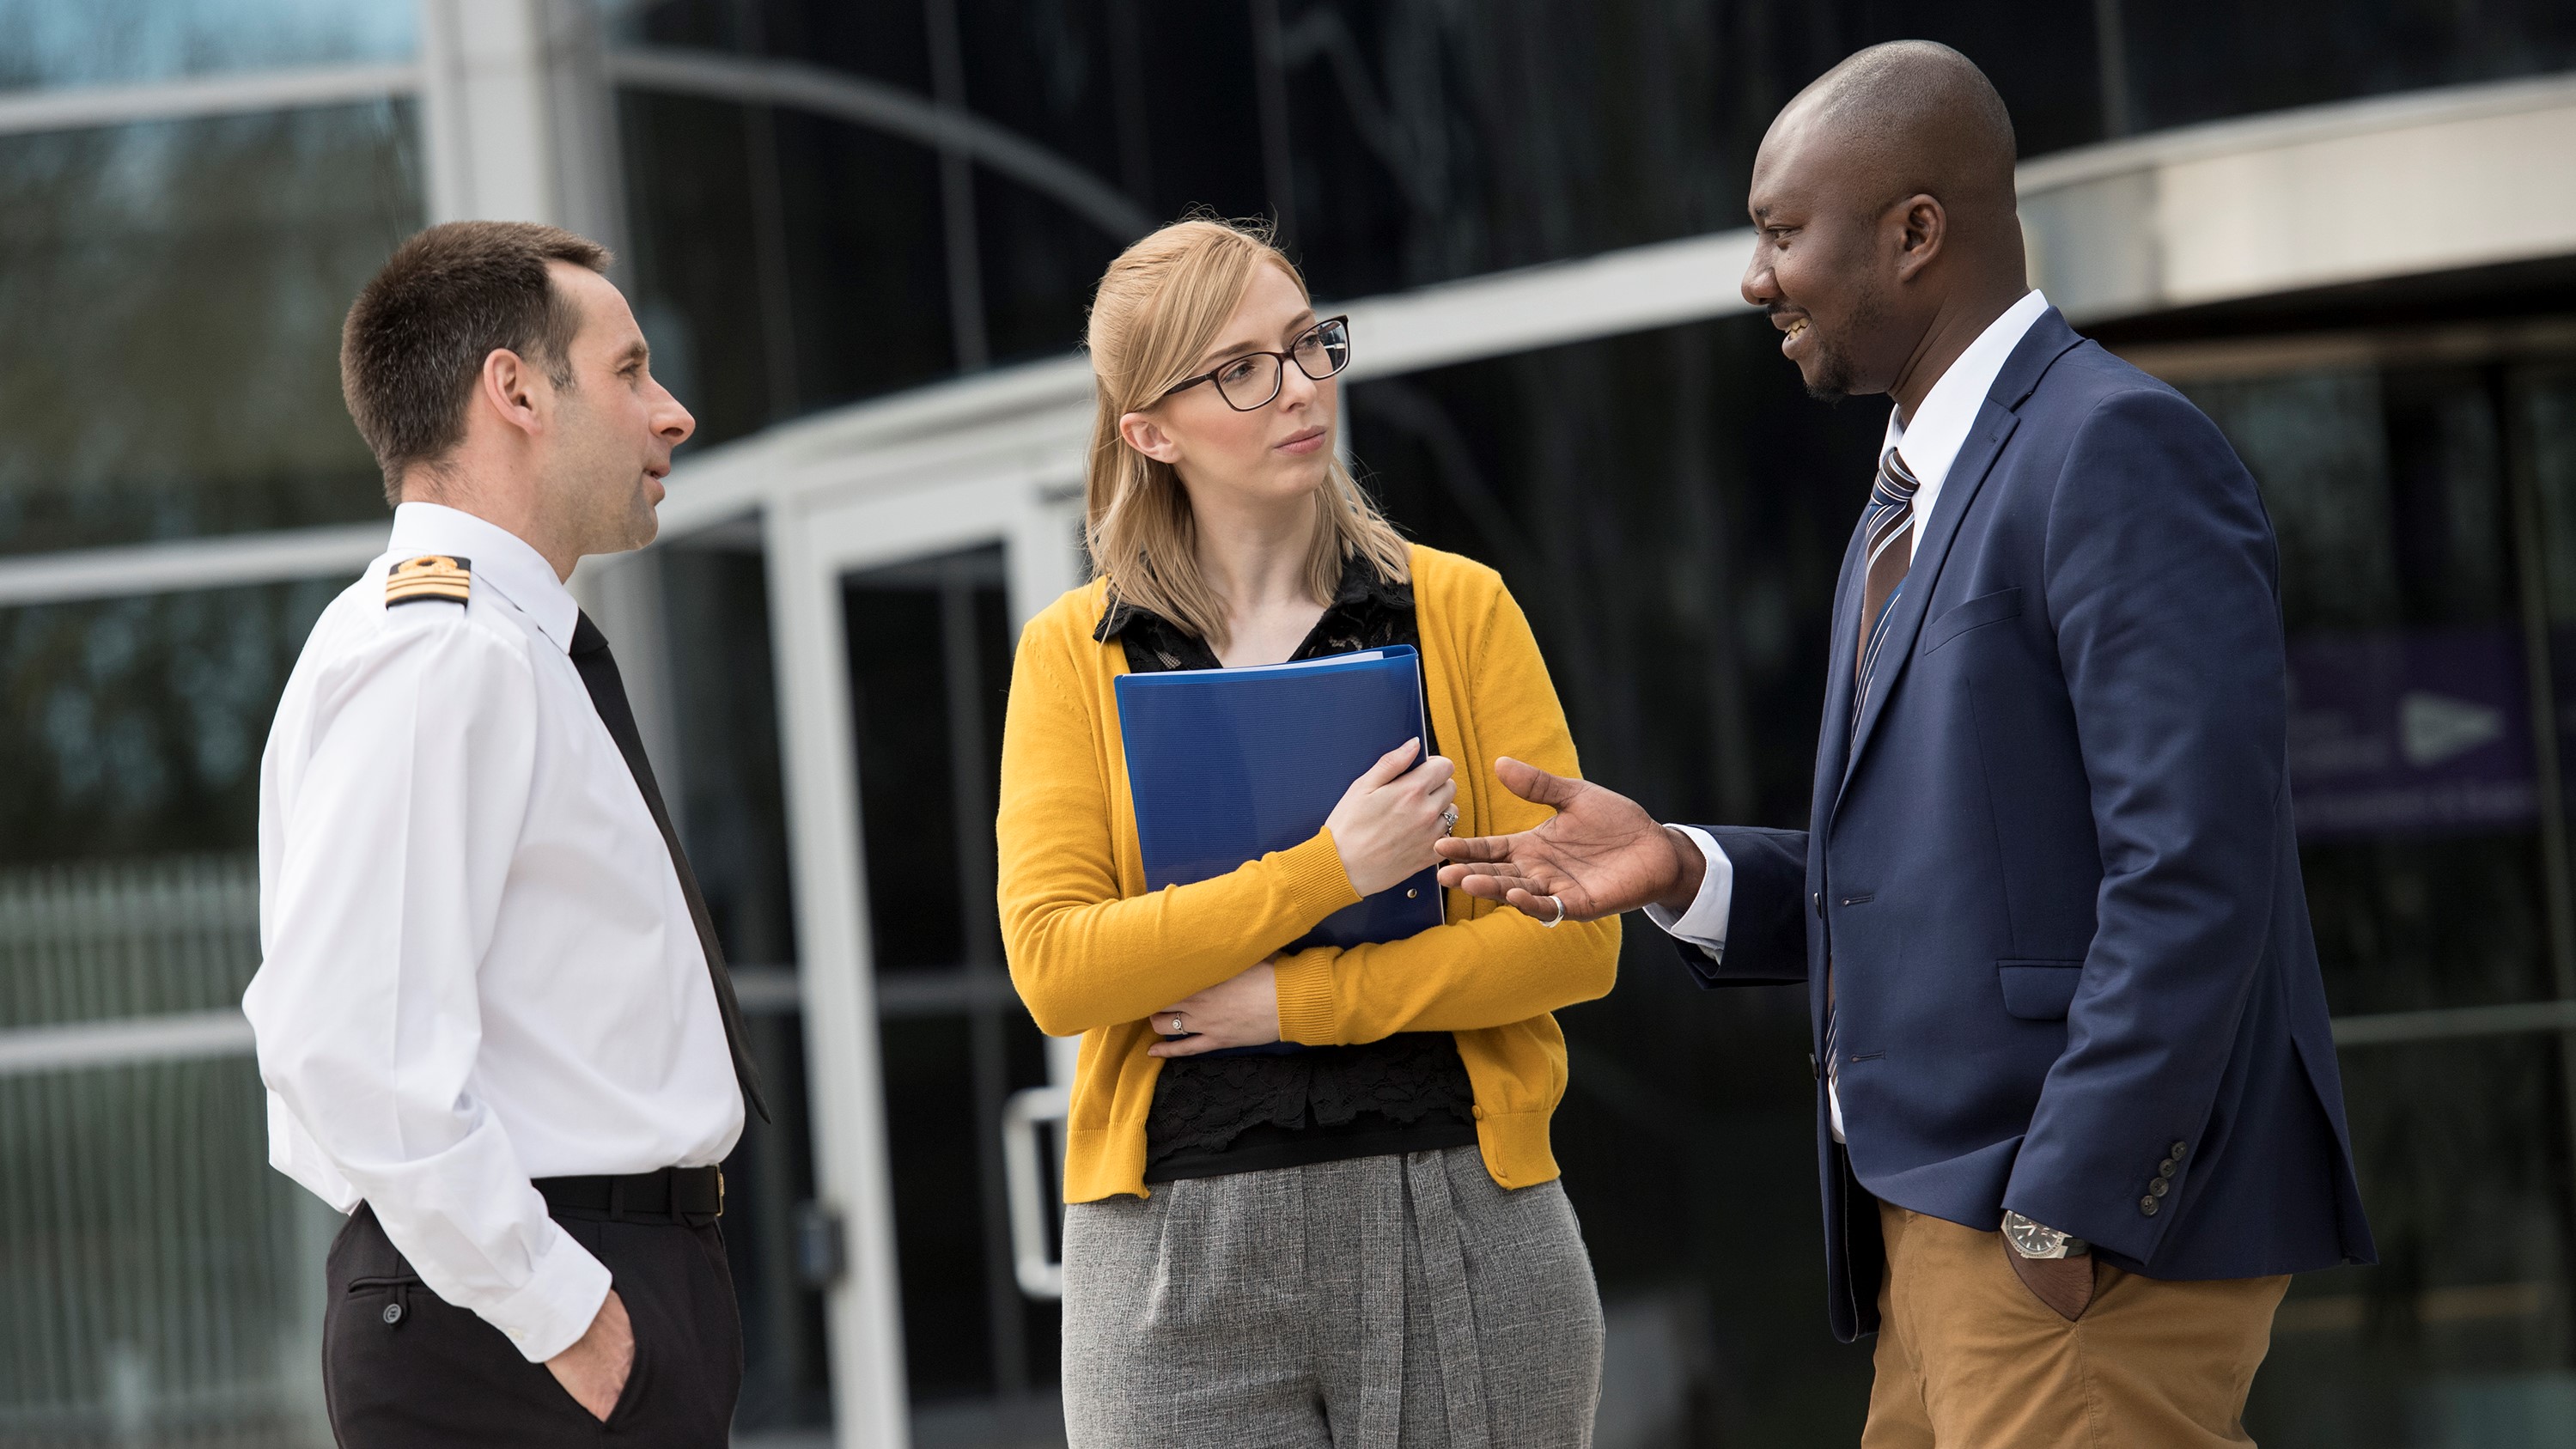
1766, 916
2160, 570
1083, 953
1494, 966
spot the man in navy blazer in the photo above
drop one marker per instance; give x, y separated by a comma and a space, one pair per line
2078, 1112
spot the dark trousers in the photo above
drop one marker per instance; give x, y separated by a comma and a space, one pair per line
404, 1369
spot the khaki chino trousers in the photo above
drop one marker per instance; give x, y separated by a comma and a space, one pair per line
1968, 1358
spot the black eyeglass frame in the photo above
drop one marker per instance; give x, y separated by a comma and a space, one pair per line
1279, 379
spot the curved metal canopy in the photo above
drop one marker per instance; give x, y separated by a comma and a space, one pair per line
878, 106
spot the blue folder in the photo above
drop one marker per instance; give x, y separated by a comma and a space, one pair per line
1228, 765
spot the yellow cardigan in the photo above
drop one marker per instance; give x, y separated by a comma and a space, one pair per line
1093, 952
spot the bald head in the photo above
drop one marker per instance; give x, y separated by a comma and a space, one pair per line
1883, 195
1911, 116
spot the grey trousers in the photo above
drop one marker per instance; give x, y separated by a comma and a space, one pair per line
1376, 1303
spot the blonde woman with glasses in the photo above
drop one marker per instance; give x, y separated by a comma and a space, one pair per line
1364, 1243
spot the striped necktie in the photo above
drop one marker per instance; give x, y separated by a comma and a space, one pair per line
1888, 531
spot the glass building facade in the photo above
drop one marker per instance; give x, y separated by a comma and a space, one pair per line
827, 207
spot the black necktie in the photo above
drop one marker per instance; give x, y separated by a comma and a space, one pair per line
608, 695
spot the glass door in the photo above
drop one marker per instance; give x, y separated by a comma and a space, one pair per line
897, 613
930, 658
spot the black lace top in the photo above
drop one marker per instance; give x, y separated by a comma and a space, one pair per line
1407, 1093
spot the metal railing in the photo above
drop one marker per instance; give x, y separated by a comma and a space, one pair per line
158, 1284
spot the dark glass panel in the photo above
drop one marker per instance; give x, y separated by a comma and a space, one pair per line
697, 263
1671, 512
1051, 72
2545, 429
732, 790
866, 261
102, 41
1201, 121
2413, 769
2198, 60
134, 726
883, 42
170, 305
1432, 142
2459, 1336
917, 908
769, 1181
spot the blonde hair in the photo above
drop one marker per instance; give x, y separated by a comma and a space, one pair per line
1158, 309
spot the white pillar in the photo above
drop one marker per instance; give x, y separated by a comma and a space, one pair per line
517, 121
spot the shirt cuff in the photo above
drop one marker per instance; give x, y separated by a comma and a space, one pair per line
553, 1309
1704, 924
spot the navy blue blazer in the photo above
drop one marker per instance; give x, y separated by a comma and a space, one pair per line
2056, 874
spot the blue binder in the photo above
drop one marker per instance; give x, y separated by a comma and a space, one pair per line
1228, 765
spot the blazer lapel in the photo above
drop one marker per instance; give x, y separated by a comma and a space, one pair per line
1997, 415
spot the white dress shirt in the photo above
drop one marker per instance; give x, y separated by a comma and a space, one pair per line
1931, 444
479, 966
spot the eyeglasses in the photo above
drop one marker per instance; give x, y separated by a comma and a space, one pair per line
1249, 382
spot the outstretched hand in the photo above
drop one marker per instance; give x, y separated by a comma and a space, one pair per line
1600, 853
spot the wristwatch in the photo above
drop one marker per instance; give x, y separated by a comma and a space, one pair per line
2033, 1241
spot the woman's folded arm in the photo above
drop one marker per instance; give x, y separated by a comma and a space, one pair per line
1082, 955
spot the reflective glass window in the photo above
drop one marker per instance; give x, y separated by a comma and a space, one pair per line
2414, 764
107, 41
164, 1285
134, 726
2459, 1337
2198, 60
170, 305
784, 262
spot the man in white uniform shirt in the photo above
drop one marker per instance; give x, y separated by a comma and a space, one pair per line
493, 1019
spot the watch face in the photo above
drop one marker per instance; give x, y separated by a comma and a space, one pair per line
2032, 1240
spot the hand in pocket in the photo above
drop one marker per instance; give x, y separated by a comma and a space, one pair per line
2064, 1284
595, 1368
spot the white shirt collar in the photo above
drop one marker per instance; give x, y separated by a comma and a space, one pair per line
1940, 427
498, 558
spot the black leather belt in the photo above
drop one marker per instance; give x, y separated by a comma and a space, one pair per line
693, 1196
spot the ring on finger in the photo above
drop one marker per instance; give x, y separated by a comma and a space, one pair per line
1549, 925
1449, 820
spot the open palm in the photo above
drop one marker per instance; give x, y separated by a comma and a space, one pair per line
1600, 854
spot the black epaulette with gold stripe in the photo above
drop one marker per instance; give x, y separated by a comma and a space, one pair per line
430, 576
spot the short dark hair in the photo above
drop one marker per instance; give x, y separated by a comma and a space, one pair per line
416, 337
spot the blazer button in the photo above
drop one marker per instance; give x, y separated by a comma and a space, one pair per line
393, 1313
2147, 1205
1819, 899
2177, 1150
2165, 1168
2159, 1187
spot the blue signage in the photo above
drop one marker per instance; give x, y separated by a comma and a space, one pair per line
2412, 733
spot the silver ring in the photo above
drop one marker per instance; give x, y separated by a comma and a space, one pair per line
1448, 819
1176, 1018
1560, 915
